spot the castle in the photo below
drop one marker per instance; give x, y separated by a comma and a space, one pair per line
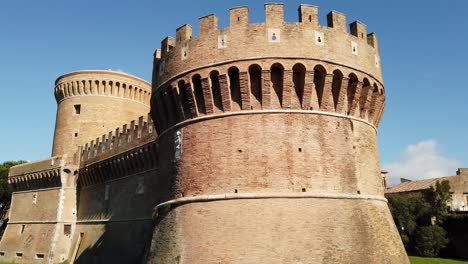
260, 147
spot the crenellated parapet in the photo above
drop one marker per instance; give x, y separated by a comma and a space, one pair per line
129, 136
129, 162
102, 83
271, 66
275, 38
42, 174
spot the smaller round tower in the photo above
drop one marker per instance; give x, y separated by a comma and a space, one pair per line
93, 102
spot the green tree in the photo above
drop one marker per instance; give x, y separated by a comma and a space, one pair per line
413, 213
430, 240
410, 211
439, 197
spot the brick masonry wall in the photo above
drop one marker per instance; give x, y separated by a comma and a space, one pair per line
108, 100
116, 225
278, 231
275, 153
243, 41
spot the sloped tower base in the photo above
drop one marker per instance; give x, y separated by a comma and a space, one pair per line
242, 195
301, 230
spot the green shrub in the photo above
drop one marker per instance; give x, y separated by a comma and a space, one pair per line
430, 240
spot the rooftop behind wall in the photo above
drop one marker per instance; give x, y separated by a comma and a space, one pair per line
36, 166
462, 171
40, 174
275, 38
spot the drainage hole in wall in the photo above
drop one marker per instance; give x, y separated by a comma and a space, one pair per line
303, 189
300, 149
358, 192
240, 150
235, 191
40, 256
19, 254
2, 254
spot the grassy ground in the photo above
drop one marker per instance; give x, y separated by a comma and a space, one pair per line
419, 260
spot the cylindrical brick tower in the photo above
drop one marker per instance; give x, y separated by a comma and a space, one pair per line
93, 102
268, 143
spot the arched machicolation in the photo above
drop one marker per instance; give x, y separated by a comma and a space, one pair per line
292, 85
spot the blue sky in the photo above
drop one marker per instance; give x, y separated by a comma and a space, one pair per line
423, 48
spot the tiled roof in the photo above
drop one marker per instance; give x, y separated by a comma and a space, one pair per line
417, 185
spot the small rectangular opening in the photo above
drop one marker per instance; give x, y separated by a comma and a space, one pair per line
22, 227
77, 109
76, 134
19, 254
40, 255
67, 230
2, 254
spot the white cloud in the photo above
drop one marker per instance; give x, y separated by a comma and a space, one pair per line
421, 161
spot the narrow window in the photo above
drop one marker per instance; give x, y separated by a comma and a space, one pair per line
76, 134
277, 84
168, 100
40, 256
351, 90
67, 230
184, 98
336, 86
22, 227
299, 83
255, 74
140, 189
199, 97
19, 254
77, 109
106, 192
234, 85
319, 81
216, 90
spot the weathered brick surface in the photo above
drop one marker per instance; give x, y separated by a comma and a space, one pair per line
313, 132
207, 96
278, 152
35, 239
279, 231
244, 89
108, 100
292, 143
252, 41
